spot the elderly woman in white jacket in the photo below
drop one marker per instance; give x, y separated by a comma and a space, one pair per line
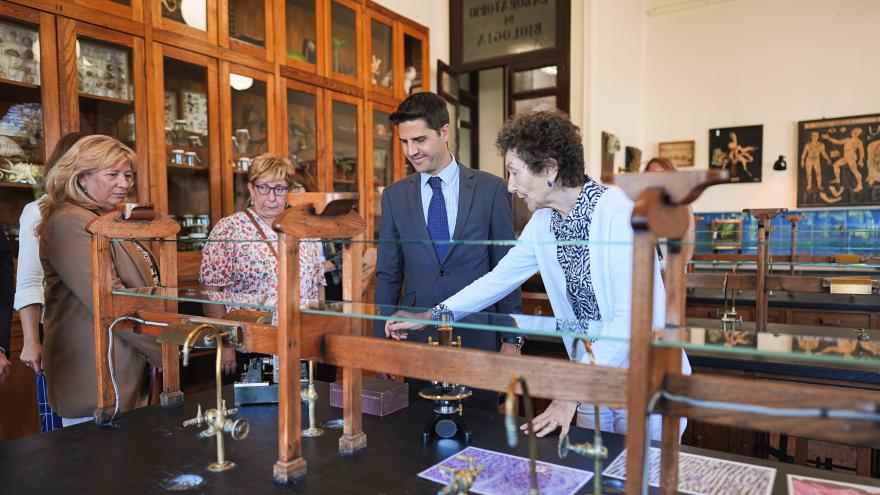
586, 282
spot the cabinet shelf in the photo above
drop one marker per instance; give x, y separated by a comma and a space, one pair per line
187, 168
107, 99
20, 84
20, 185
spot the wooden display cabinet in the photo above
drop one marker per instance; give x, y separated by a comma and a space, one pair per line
381, 152
414, 66
246, 28
128, 9
104, 89
299, 44
173, 23
343, 141
303, 111
248, 128
186, 152
381, 53
344, 49
30, 98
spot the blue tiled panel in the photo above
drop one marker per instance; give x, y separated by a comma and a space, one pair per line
820, 233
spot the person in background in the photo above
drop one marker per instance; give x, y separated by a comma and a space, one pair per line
251, 268
6, 293
29, 297
580, 240
89, 180
688, 245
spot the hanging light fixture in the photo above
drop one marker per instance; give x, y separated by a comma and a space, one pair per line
194, 14
240, 82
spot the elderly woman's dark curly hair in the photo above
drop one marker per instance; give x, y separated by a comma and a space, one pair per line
539, 136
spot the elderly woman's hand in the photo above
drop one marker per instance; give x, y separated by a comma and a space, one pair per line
227, 360
558, 415
398, 330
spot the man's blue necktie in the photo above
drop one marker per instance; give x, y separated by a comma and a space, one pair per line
438, 224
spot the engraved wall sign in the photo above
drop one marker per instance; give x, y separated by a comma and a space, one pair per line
496, 28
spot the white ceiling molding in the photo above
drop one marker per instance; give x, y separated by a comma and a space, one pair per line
661, 7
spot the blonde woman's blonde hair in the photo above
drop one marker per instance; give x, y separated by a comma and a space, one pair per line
271, 168
89, 155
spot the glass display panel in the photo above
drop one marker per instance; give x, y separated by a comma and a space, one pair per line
381, 61
412, 63
544, 77
106, 93
193, 13
534, 104
301, 37
22, 138
250, 133
187, 148
343, 29
383, 163
302, 134
345, 147
247, 21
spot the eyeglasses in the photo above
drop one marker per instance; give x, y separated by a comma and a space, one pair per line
264, 189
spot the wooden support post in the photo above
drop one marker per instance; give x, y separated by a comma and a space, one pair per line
762, 269
794, 219
171, 394
353, 438
102, 273
290, 466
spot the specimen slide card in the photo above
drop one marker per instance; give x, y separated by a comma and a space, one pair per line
505, 474
700, 475
804, 485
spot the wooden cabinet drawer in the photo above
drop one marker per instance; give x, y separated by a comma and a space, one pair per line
830, 318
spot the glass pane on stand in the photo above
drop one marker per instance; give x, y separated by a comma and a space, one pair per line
249, 131
247, 21
343, 29
345, 147
187, 148
106, 93
301, 33
302, 135
21, 122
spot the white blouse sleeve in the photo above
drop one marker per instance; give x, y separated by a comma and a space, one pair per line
29, 274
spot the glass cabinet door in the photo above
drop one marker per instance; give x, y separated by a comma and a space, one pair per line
247, 22
301, 32
414, 72
345, 118
187, 147
22, 136
302, 132
191, 18
250, 132
344, 40
381, 54
382, 147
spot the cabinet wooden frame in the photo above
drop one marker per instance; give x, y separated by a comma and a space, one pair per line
163, 24
320, 127
158, 152
321, 15
403, 30
359, 78
226, 152
396, 49
560, 91
46, 26
135, 11
372, 199
330, 168
69, 31
267, 52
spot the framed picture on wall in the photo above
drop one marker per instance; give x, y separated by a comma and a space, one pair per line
680, 153
738, 150
633, 159
839, 161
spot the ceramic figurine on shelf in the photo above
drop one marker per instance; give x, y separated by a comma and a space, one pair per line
387, 78
375, 68
337, 45
409, 75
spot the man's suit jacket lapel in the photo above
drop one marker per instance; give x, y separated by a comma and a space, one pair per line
466, 179
414, 198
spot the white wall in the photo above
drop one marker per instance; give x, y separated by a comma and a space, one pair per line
758, 62
432, 14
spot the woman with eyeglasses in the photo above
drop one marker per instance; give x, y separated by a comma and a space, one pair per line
252, 267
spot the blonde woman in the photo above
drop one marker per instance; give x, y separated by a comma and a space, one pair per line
89, 180
252, 267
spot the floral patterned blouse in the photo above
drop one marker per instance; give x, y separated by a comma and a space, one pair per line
250, 267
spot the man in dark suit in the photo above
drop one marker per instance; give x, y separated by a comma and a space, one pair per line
442, 201
7, 292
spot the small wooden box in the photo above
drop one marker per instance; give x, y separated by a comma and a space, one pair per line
378, 397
